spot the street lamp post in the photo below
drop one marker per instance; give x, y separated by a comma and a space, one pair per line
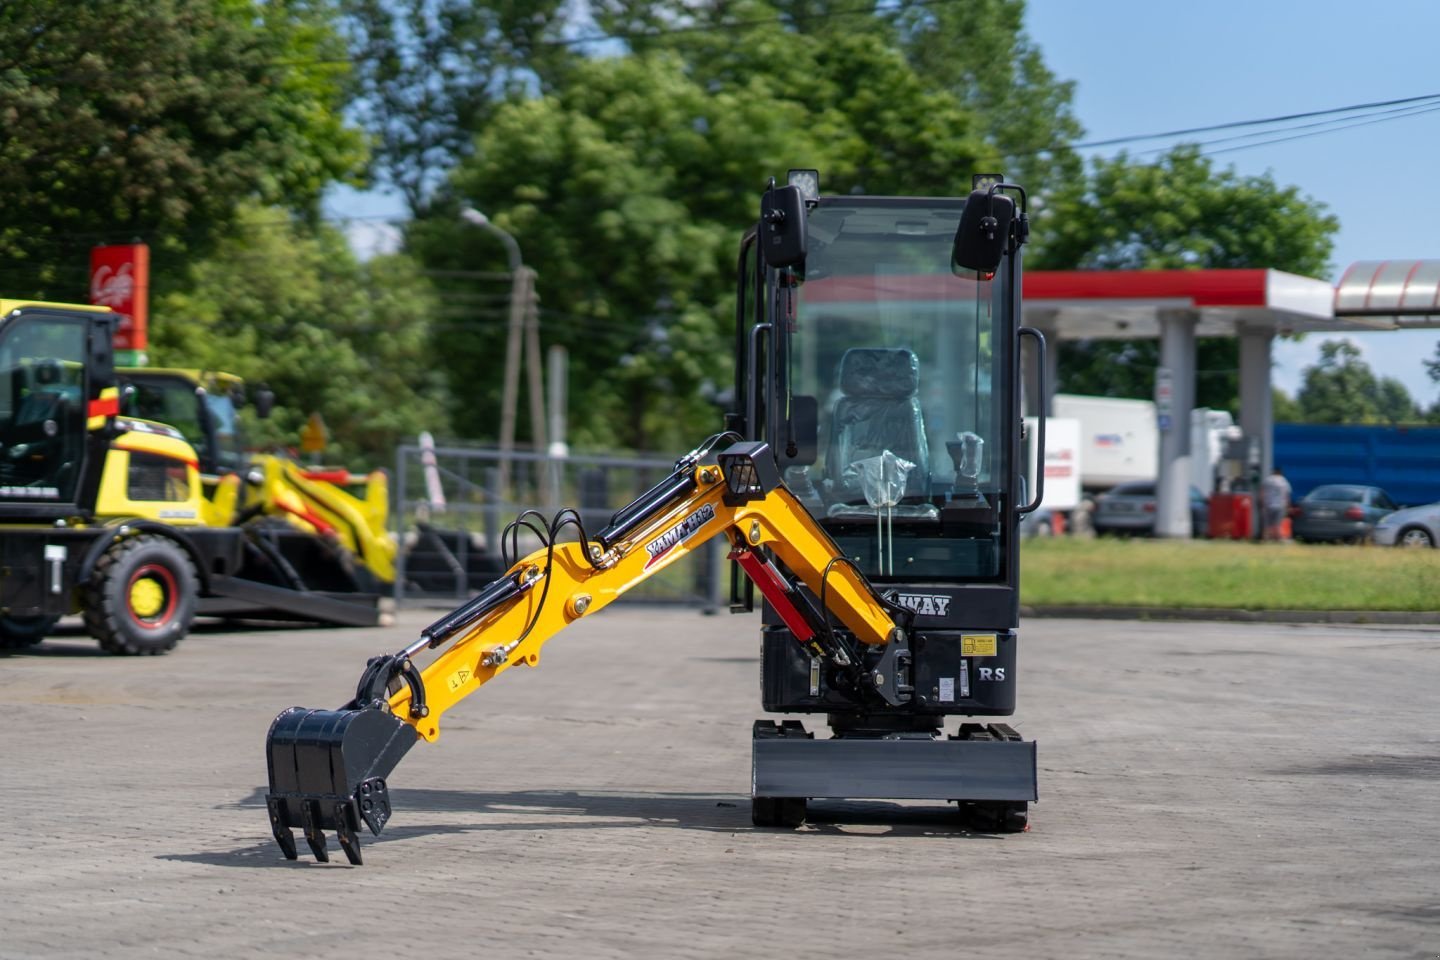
522, 323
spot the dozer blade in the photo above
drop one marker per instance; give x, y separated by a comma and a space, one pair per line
327, 772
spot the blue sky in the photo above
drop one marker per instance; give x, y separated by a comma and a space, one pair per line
1145, 66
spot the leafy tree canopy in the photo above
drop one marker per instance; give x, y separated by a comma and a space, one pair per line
154, 119
1283, 408
629, 189
288, 306
1178, 213
429, 74
1341, 388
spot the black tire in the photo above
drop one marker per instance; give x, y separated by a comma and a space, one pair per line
141, 597
996, 816
17, 633
765, 811
777, 811
1414, 537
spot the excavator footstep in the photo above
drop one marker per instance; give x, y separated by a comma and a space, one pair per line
328, 772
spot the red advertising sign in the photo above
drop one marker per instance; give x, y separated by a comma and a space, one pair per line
120, 280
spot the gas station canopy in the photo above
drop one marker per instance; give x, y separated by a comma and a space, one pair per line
1127, 304
1178, 306
1402, 293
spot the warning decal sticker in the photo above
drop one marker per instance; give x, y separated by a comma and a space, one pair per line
978, 645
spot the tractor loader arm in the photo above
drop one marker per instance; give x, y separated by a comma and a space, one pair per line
328, 768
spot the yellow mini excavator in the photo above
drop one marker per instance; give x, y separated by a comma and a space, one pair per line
869, 485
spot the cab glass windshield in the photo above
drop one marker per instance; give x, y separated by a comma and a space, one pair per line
901, 353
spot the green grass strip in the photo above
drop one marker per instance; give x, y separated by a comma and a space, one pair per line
1227, 574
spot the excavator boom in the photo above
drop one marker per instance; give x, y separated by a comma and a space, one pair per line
329, 768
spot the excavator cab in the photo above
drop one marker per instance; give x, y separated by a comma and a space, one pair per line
45, 390
868, 485
879, 357
202, 405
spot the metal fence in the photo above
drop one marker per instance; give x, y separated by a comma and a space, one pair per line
452, 504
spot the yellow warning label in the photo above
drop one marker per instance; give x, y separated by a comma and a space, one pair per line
978, 644
459, 678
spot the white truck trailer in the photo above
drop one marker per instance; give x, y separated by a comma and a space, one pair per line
1119, 440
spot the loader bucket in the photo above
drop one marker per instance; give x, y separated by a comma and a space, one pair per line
328, 771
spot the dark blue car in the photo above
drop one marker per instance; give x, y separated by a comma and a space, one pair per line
1340, 513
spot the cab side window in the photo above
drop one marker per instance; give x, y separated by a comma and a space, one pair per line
42, 409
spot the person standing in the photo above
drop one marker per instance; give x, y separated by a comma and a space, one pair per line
1275, 502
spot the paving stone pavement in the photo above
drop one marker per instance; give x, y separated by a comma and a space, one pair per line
1207, 790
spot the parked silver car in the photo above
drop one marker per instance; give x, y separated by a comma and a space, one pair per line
1130, 509
1411, 527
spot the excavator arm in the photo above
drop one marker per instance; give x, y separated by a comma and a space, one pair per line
328, 768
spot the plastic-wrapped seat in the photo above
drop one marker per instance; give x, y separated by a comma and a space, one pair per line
878, 410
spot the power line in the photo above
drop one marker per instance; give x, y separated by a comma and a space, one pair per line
1316, 133
1234, 124
1333, 124
1372, 109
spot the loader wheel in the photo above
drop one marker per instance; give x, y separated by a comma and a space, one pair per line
141, 596
777, 811
16, 633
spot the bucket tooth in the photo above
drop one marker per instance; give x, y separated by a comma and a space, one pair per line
283, 836
310, 814
345, 833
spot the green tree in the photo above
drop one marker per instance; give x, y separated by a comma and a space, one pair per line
972, 58
629, 190
153, 119
1284, 408
429, 74
628, 180
1177, 213
979, 52
1181, 213
628, 278
288, 305
1341, 388
1432, 366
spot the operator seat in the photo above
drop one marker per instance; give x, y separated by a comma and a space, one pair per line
46, 398
878, 410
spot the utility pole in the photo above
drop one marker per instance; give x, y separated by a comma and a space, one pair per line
534, 365
523, 326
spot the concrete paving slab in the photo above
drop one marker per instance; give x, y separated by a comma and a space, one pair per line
1207, 789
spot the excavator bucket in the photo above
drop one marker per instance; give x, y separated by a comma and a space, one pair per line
328, 771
